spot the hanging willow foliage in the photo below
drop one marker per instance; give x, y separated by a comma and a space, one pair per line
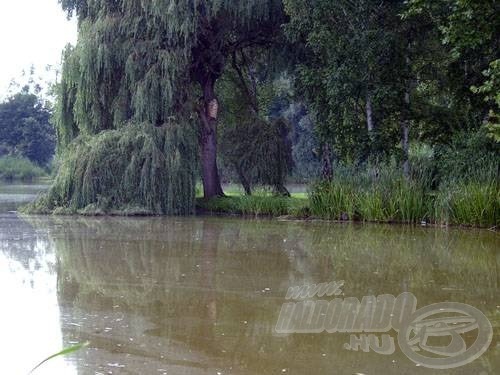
135, 169
139, 60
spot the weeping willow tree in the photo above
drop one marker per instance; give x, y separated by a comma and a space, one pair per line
139, 86
255, 143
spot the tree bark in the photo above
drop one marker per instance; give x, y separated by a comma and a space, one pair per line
405, 136
405, 120
370, 126
244, 180
369, 114
208, 141
327, 172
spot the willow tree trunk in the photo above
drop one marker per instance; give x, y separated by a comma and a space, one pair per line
208, 141
243, 179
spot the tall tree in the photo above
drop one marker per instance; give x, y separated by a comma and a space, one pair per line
255, 139
154, 61
344, 70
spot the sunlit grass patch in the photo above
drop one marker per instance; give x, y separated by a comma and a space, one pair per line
256, 205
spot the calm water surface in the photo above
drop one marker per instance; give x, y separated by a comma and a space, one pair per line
202, 295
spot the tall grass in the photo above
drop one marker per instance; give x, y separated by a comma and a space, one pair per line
382, 194
397, 201
17, 168
334, 201
469, 203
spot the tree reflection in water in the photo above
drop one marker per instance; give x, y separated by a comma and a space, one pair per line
198, 294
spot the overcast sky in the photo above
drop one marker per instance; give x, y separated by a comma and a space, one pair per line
31, 32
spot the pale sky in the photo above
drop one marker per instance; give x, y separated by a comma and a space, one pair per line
32, 32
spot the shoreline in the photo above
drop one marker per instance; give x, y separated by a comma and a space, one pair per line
201, 211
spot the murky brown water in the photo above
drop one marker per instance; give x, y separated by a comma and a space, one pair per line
203, 295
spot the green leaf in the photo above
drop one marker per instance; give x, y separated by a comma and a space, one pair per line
63, 352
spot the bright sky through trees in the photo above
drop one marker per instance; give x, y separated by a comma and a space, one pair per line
32, 32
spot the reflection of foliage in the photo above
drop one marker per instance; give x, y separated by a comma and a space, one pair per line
458, 258
392, 259
170, 271
19, 241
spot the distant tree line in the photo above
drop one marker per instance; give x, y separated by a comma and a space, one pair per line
26, 130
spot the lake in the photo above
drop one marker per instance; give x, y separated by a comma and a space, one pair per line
202, 295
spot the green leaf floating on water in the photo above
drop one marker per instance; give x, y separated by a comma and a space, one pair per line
66, 351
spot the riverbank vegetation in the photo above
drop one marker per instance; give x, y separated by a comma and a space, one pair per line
387, 111
16, 168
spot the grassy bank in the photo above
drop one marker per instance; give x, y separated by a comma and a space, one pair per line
255, 205
380, 194
14, 168
465, 204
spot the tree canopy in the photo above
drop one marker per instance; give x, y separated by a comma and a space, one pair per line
379, 74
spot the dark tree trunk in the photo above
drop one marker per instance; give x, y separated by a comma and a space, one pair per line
327, 172
244, 180
281, 190
405, 136
405, 142
405, 121
369, 114
208, 141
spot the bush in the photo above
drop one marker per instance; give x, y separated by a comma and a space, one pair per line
17, 168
